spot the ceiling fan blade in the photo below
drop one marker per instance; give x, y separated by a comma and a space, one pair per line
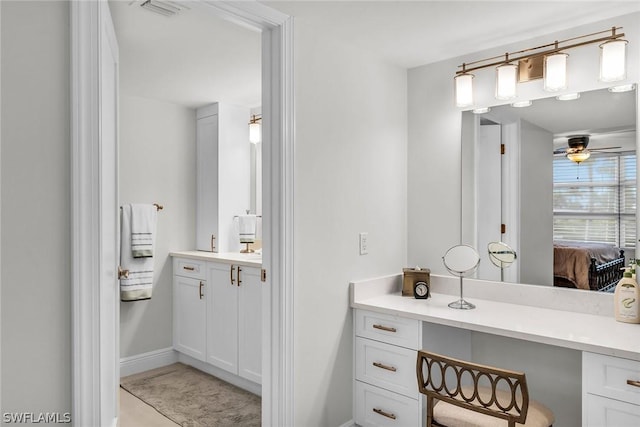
603, 148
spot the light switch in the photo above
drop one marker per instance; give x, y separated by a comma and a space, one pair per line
363, 243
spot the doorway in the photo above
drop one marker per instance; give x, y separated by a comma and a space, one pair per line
92, 372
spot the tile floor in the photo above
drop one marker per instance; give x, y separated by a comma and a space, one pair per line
135, 413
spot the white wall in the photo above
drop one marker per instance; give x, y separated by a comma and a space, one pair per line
35, 241
350, 177
157, 165
536, 205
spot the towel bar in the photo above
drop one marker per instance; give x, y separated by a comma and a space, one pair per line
158, 207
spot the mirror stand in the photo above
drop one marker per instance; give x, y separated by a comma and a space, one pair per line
461, 304
461, 260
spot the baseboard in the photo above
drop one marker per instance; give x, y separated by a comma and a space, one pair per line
143, 362
349, 423
237, 381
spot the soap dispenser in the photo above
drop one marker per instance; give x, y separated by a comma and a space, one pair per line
626, 299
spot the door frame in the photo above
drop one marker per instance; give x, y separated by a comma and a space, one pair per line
278, 156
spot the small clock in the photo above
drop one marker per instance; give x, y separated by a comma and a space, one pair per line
421, 290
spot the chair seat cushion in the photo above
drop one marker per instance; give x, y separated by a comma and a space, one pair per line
447, 414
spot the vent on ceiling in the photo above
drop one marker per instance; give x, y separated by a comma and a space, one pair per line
163, 7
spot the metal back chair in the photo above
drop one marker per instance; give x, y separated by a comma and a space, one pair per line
505, 395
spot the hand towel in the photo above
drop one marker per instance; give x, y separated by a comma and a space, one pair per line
143, 230
247, 228
139, 284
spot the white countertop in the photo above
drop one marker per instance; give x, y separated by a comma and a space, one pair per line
575, 330
247, 260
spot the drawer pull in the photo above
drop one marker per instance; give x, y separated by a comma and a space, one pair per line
200, 289
384, 328
188, 268
233, 281
633, 383
387, 367
384, 414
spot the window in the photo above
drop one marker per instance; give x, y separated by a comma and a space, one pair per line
595, 201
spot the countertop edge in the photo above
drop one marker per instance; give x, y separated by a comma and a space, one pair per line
227, 258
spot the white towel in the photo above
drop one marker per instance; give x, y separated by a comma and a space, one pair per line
139, 284
247, 228
143, 230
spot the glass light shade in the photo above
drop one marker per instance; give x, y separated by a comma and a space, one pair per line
580, 156
555, 72
613, 60
255, 132
506, 79
464, 89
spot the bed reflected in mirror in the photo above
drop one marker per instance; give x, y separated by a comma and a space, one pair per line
556, 182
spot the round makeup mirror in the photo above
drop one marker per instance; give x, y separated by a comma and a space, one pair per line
461, 261
501, 255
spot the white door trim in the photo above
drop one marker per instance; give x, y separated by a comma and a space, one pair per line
278, 137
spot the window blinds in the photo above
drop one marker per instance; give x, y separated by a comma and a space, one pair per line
595, 201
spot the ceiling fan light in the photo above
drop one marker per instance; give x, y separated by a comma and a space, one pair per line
613, 60
579, 156
464, 89
555, 72
506, 79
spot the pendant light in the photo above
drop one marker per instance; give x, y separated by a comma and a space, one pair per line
464, 88
506, 79
613, 58
255, 129
555, 71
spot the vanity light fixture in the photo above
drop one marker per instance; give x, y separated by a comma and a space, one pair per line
464, 88
255, 129
527, 64
506, 79
481, 110
522, 104
555, 71
622, 88
613, 60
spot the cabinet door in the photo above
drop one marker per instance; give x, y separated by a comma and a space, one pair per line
250, 325
189, 316
207, 183
222, 316
604, 412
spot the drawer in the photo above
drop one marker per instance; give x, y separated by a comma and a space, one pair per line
379, 407
387, 328
387, 366
607, 376
601, 411
189, 268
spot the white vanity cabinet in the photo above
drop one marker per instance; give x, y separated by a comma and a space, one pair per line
234, 333
218, 315
222, 175
610, 391
385, 385
189, 307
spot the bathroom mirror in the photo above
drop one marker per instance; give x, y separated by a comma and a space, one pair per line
509, 197
461, 261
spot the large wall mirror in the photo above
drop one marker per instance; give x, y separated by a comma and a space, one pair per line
519, 187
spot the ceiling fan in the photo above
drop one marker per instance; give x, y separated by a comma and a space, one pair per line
577, 148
